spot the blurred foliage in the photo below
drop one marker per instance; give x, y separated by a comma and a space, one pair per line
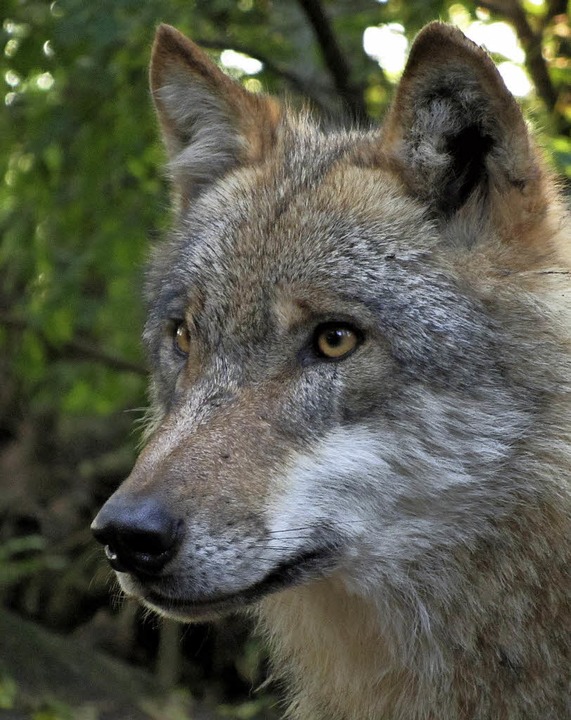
82, 196
8, 692
19, 558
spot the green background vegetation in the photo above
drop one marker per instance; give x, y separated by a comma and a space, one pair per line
82, 198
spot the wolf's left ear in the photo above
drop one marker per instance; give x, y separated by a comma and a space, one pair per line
453, 129
210, 123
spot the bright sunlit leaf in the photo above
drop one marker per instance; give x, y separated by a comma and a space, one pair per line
12, 79
239, 61
45, 81
388, 45
497, 37
515, 79
459, 16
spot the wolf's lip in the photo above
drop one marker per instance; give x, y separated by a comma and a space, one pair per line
310, 564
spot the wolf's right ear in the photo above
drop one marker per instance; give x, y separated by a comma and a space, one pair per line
209, 122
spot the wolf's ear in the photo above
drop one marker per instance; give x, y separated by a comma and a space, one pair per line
454, 130
210, 123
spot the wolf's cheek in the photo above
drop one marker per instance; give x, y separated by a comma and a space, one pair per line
413, 477
329, 484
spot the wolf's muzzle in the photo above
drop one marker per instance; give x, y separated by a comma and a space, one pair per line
140, 536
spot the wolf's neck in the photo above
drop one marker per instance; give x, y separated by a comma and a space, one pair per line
341, 658
460, 636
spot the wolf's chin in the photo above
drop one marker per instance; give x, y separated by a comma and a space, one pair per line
185, 611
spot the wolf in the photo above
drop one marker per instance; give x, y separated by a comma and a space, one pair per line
360, 344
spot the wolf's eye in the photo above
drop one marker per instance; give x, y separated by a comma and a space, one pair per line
335, 341
181, 337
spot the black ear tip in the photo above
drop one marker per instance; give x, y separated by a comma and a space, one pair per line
162, 34
443, 44
439, 32
164, 30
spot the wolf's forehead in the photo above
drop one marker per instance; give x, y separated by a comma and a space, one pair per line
315, 217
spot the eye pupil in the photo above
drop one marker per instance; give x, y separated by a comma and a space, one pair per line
182, 338
335, 337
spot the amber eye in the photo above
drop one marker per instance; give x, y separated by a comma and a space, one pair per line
336, 340
182, 337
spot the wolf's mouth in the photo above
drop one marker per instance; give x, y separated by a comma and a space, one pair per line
302, 567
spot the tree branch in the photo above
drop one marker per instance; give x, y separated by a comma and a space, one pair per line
297, 82
335, 60
531, 43
74, 349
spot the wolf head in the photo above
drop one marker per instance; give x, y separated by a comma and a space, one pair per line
344, 333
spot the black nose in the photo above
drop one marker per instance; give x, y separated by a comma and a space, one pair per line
139, 534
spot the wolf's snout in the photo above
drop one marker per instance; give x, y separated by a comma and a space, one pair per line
139, 534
